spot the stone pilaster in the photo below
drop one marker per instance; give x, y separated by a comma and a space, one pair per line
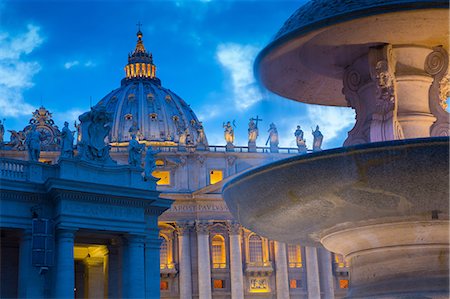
185, 269
312, 273
237, 278
64, 265
95, 277
204, 262
114, 262
282, 277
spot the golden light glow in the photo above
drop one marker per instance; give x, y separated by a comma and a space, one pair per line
218, 284
215, 176
293, 283
218, 252
294, 256
343, 283
259, 285
159, 162
163, 175
340, 261
164, 285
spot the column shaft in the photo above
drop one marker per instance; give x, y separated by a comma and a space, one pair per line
31, 283
65, 270
327, 273
204, 263
152, 270
185, 264
237, 279
282, 277
134, 274
312, 273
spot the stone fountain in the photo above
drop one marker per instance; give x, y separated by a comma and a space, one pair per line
382, 201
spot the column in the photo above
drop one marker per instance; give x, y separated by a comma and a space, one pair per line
152, 269
312, 273
31, 283
64, 265
114, 265
134, 275
204, 263
326, 273
282, 277
95, 277
185, 271
237, 279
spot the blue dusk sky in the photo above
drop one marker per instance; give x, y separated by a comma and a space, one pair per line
59, 54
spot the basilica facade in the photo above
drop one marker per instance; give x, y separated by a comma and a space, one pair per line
203, 252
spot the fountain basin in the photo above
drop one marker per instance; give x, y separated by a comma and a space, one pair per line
300, 198
384, 206
308, 57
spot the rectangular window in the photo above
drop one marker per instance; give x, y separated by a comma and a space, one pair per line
164, 285
163, 175
295, 283
294, 256
215, 176
343, 283
219, 284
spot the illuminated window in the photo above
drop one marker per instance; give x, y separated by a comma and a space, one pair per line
164, 285
219, 284
255, 249
159, 162
128, 116
163, 253
49, 162
163, 175
343, 283
294, 256
218, 252
340, 261
215, 176
295, 283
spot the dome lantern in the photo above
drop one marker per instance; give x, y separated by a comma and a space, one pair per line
140, 62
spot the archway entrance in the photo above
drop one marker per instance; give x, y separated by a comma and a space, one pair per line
91, 271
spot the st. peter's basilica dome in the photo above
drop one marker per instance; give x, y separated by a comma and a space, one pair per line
143, 107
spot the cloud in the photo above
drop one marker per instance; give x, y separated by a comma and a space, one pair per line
70, 64
69, 115
16, 73
331, 120
237, 60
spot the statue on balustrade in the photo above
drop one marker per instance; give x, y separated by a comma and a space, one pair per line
301, 143
66, 142
201, 137
2, 131
253, 131
318, 138
229, 132
273, 138
135, 151
95, 126
33, 143
150, 162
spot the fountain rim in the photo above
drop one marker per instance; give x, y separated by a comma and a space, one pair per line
283, 39
386, 145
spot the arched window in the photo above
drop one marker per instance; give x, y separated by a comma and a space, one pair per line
255, 249
294, 256
219, 258
163, 252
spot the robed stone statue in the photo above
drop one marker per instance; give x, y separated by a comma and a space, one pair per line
33, 143
318, 138
66, 142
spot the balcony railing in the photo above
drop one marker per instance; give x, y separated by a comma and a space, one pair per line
14, 169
